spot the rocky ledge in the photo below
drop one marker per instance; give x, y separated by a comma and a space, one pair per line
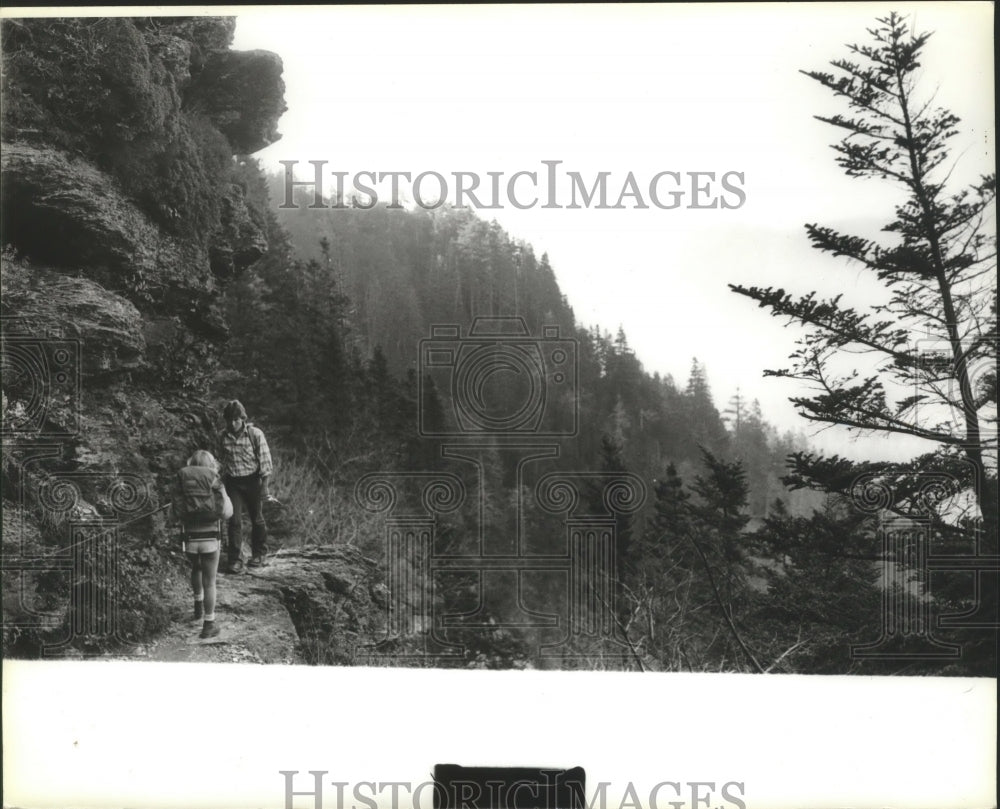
309, 605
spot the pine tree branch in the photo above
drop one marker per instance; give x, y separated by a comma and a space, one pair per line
844, 421
838, 404
846, 325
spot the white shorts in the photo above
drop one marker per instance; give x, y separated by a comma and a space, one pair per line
193, 547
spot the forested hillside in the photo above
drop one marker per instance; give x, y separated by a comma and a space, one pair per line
324, 346
370, 284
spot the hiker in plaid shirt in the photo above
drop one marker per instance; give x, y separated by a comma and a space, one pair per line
245, 462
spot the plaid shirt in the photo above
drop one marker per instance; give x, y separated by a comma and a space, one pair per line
237, 457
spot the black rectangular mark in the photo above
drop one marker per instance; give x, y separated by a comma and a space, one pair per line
458, 787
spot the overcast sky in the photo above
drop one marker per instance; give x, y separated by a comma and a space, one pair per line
643, 89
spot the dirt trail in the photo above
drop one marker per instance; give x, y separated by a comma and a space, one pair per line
330, 593
256, 627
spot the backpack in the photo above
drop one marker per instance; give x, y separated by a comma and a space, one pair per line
254, 442
202, 498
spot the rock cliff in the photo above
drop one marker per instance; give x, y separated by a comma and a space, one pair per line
124, 214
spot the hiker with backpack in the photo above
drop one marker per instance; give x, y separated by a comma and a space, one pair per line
202, 505
246, 466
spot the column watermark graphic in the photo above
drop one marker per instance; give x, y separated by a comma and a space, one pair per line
81, 512
910, 621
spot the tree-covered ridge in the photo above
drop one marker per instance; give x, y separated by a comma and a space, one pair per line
307, 352
355, 289
724, 567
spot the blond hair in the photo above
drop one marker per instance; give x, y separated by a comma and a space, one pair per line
203, 458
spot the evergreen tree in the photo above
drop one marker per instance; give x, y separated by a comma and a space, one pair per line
720, 510
735, 413
821, 579
694, 591
705, 427
933, 342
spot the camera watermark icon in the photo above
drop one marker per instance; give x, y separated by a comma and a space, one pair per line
41, 385
499, 380
88, 509
908, 520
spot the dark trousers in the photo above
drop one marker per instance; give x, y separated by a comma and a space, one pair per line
245, 492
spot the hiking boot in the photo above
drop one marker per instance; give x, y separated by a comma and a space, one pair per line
259, 560
209, 630
235, 567
199, 609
